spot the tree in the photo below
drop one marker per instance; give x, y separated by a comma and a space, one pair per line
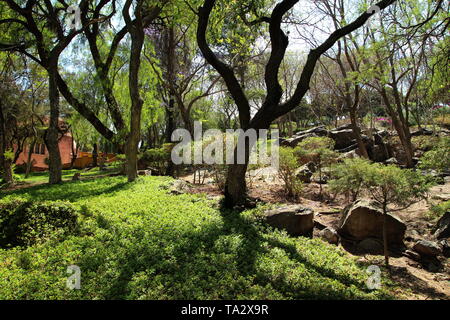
272, 107
319, 150
47, 38
390, 187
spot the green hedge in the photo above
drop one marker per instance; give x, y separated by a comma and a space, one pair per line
24, 223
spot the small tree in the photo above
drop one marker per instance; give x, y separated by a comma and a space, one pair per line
288, 163
388, 186
318, 150
438, 158
348, 176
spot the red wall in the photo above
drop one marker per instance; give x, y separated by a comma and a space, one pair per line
65, 150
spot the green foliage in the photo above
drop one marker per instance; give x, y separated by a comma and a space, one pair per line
438, 158
158, 158
288, 164
318, 150
425, 143
387, 185
349, 176
23, 223
137, 241
438, 211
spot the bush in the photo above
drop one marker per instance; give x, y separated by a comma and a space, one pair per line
348, 177
23, 223
318, 150
425, 143
437, 158
157, 158
287, 166
439, 210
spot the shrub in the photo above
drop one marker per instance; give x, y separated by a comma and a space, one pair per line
318, 150
437, 158
387, 186
23, 223
348, 177
288, 164
438, 211
157, 158
425, 143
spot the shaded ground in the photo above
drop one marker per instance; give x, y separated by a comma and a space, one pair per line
415, 279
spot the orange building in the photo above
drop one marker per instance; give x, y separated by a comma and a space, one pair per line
39, 156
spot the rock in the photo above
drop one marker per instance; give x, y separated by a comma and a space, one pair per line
330, 235
320, 131
179, 187
144, 172
379, 153
295, 219
371, 245
76, 177
422, 132
412, 236
445, 244
304, 174
295, 140
412, 255
391, 161
443, 227
427, 248
362, 220
349, 155
348, 149
342, 138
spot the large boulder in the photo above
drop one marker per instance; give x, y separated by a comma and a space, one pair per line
427, 248
295, 219
379, 153
342, 138
362, 220
443, 227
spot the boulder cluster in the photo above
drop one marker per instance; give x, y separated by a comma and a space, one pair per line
361, 228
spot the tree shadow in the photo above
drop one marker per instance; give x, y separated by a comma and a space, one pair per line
189, 254
69, 190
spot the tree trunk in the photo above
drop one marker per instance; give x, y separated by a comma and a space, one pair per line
95, 156
357, 133
51, 134
385, 238
29, 161
137, 41
5, 162
235, 185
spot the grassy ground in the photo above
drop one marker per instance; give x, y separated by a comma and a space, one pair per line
138, 241
42, 177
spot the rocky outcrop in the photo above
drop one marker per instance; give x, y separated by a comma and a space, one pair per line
295, 219
299, 136
342, 138
443, 227
362, 220
427, 248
